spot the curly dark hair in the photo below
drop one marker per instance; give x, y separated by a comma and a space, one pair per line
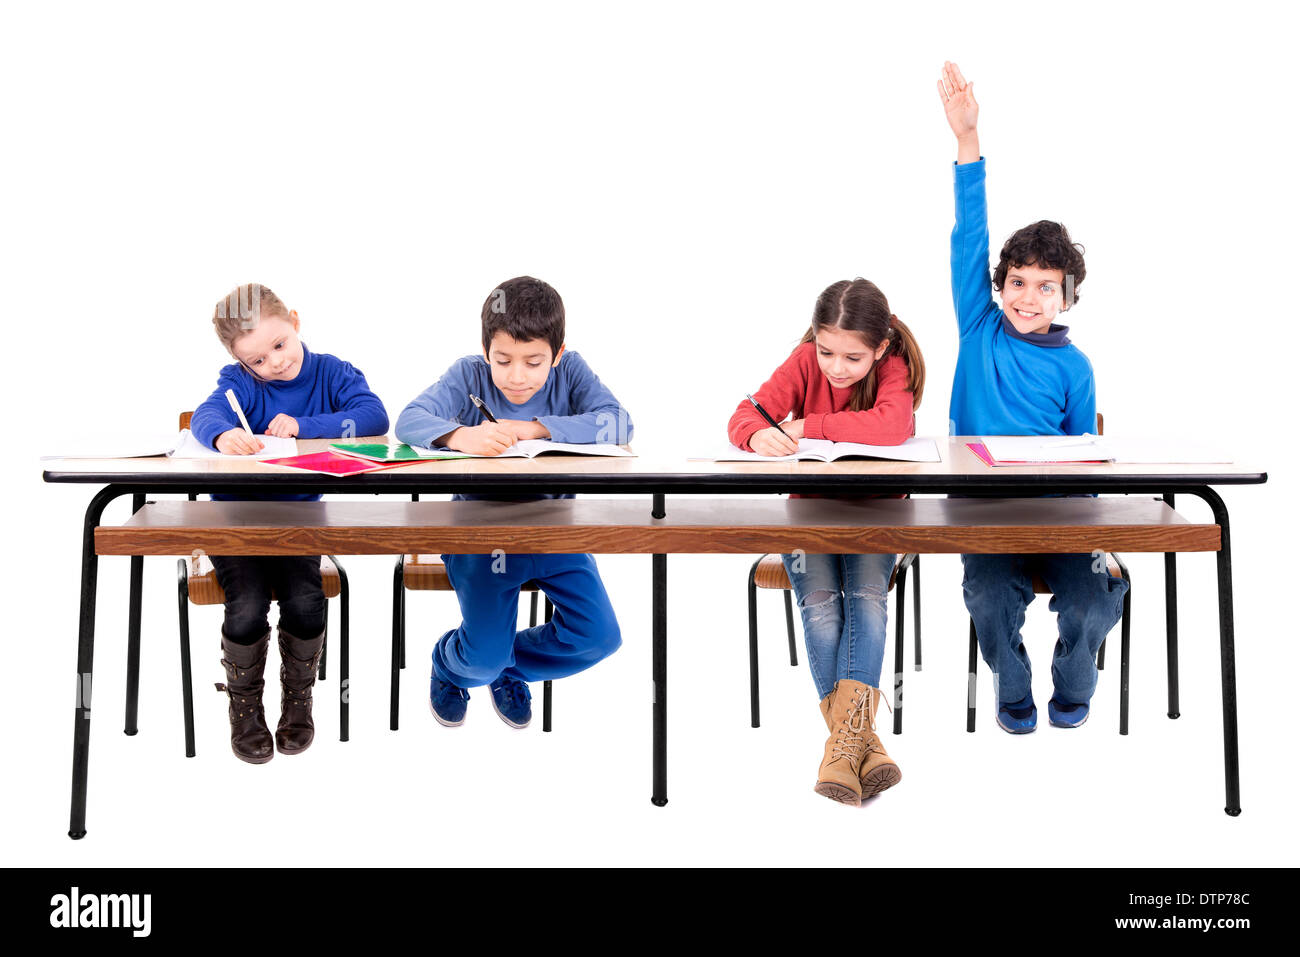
1047, 245
524, 308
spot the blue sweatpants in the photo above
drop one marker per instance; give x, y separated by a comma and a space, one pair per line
581, 632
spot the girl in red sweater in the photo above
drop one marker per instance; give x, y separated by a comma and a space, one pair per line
857, 376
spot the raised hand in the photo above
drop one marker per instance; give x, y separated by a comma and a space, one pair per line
961, 109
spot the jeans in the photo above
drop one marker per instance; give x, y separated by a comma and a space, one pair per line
842, 602
488, 643
249, 580
1087, 601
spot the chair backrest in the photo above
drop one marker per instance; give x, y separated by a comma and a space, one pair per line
185, 419
1100, 426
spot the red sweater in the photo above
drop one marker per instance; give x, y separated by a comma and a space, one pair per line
799, 386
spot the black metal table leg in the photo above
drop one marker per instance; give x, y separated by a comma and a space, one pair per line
916, 607
344, 616
133, 633
394, 661
85, 660
900, 606
659, 665
753, 647
1227, 655
1171, 622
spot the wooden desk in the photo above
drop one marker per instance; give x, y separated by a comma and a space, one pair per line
970, 525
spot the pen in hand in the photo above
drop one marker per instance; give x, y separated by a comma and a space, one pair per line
482, 407
771, 421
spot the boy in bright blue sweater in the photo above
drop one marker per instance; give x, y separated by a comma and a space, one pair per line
535, 390
284, 390
1018, 374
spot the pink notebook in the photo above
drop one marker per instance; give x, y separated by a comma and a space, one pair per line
332, 463
982, 452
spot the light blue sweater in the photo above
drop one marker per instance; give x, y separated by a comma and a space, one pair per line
1006, 383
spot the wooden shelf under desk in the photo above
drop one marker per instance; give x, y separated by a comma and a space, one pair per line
691, 526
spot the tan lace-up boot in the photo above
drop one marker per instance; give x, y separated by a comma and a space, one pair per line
849, 718
878, 770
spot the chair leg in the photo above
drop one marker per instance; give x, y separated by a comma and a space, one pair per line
789, 628
753, 647
900, 607
546, 685
401, 628
532, 610
344, 690
971, 678
187, 685
1123, 656
394, 661
916, 608
325, 645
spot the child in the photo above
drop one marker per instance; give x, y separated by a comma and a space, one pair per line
1018, 374
535, 390
857, 377
284, 390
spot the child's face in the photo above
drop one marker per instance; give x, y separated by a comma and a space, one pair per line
520, 367
1032, 297
844, 357
271, 349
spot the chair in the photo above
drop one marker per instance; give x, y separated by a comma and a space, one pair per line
426, 573
196, 581
769, 573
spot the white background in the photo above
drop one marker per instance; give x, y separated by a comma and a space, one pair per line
689, 177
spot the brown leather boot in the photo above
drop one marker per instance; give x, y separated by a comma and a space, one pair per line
848, 717
878, 770
826, 708
299, 658
250, 738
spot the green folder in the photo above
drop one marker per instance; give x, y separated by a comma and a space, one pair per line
397, 452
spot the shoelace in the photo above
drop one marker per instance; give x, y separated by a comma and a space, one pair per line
516, 693
859, 720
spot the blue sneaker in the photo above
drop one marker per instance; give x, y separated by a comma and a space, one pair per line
447, 702
512, 701
1018, 717
1064, 714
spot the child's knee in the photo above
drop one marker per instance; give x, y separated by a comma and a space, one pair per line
606, 636
246, 620
303, 614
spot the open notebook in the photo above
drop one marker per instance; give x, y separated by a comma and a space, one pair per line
527, 449
823, 450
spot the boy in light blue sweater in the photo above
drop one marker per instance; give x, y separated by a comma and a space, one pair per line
1018, 374
534, 389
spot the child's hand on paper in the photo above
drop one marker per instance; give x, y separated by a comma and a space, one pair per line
487, 438
283, 426
771, 441
238, 442
522, 429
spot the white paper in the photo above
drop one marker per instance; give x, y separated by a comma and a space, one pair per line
188, 447
917, 449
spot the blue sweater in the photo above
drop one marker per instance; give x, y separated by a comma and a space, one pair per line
574, 405
1006, 383
328, 397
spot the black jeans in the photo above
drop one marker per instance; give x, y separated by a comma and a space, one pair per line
249, 582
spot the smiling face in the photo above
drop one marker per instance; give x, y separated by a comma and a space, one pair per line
520, 367
844, 357
271, 349
1032, 297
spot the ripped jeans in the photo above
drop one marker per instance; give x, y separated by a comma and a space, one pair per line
842, 601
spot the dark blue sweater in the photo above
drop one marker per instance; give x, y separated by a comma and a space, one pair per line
329, 397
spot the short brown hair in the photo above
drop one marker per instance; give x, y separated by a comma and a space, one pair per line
242, 309
1047, 245
524, 308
